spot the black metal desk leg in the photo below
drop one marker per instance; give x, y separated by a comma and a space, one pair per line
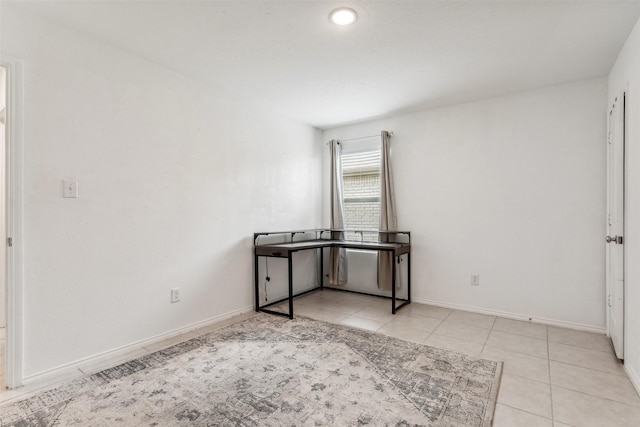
409, 277
321, 268
393, 284
290, 286
257, 280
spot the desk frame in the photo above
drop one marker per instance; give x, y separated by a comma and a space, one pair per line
286, 250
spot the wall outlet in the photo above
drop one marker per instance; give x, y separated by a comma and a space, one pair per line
475, 279
175, 295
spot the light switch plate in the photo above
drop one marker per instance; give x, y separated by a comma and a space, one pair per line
70, 188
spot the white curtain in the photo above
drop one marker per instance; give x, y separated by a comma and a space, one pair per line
337, 256
388, 219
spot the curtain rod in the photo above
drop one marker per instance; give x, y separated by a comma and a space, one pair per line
362, 137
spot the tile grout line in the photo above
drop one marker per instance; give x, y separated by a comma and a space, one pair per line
525, 411
440, 323
493, 324
598, 397
550, 385
502, 331
589, 369
581, 348
431, 332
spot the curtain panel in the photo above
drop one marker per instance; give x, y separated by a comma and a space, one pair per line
388, 218
337, 256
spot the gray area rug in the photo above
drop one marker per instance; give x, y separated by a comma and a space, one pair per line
271, 371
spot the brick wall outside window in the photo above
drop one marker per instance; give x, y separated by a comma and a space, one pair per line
362, 204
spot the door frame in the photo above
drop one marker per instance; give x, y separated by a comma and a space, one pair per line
14, 186
625, 132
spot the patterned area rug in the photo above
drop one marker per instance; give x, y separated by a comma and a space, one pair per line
271, 371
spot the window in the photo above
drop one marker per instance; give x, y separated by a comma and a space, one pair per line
361, 186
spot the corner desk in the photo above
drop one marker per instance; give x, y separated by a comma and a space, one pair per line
287, 244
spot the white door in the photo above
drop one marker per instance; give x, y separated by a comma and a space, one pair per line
3, 133
615, 225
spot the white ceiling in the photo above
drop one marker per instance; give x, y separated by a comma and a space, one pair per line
399, 56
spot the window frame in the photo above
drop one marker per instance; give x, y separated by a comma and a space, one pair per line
362, 158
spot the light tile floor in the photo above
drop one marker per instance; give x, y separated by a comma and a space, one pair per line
552, 377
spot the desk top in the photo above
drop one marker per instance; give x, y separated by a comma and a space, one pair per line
282, 250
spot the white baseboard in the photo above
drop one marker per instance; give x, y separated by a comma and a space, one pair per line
516, 316
633, 377
119, 353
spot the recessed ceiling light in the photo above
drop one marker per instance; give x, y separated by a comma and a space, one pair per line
343, 16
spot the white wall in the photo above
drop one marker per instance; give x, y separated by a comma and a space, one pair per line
625, 75
512, 189
174, 177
